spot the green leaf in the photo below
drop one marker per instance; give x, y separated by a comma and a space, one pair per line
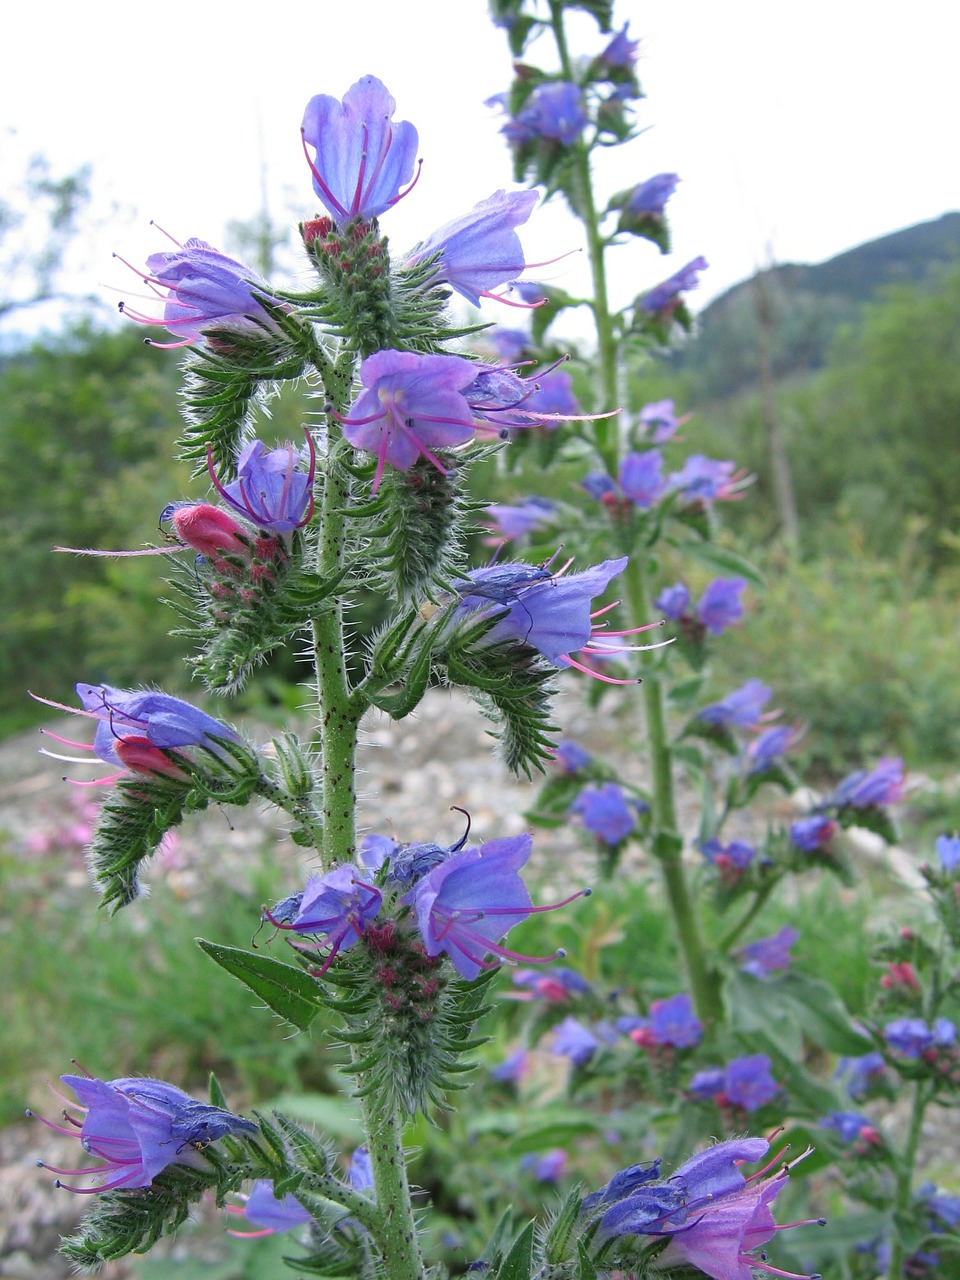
585, 1268
806, 1004
724, 560
519, 1261
558, 1134
289, 992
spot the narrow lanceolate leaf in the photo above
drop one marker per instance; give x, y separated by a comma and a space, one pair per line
724, 560
518, 1263
289, 992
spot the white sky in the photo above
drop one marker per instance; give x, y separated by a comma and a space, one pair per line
798, 129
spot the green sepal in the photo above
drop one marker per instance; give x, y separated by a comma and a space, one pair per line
217, 1097
288, 991
585, 1268
513, 685
121, 1223
141, 809
557, 1239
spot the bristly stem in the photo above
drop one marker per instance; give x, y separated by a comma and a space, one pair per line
607, 430
904, 1192
340, 711
703, 981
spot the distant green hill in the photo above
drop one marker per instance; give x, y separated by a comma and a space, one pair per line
806, 304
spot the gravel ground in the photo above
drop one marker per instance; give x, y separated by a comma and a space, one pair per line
411, 773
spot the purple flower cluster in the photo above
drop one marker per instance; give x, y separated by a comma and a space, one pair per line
714, 1217
554, 112
729, 859
745, 1082
914, 1038
948, 851
743, 707
663, 300
719, 606
510, 523
670, 1024
768, 955
813, 833
869, 789
463, 899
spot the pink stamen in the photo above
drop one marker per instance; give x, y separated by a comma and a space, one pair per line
597, 675
319, 180
775, 1271
165, 233
248, 1235
509, 302
81, 746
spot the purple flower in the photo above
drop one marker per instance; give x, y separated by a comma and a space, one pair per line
767, 748
944, 1033
714, 1217
748, 1082
659, 421
138, 1127
741, 707
621, 51
547, 612
553, 111
362, 158
509, 344
262, 1209
555, 986
269, 490
605, 812
144, 731
651, 197
553, 394
861, 1072
335, 906
673, 602
707, 1084
548, 1167
767, 955
812, 833
360, 1170
673, 1022
664, 298
705, 480
476, 896
570, 756
870, 789
411, 404
481, 249
511, 523
848, 1125
720, 605
571, 1039
599, 485
204, 290
641, 478
948, 851
512, 1068
909, 1037
733, 857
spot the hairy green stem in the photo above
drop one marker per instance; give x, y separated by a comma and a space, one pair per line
399, 1241
608, 429
703, 980
904, 1194
668, 844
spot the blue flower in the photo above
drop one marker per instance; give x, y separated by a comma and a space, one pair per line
767, 955
720, 605
651, 196
767, 748
909, 1037
641, 478
742, 707
512, 522
548, 1167
870, 789
673, 602
263, 1210
512, 1068
673, 1022
948, 851
606, 812
362, 158
138, 1127
336, 907
812, 833
411, 404
664, 298
728, 858
748, 1082
204, 290
464, 904
861, 1072
848, 1125
659, 420
570, 756
553, 111
704, 480
481, 249
571, 1039
269, 490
